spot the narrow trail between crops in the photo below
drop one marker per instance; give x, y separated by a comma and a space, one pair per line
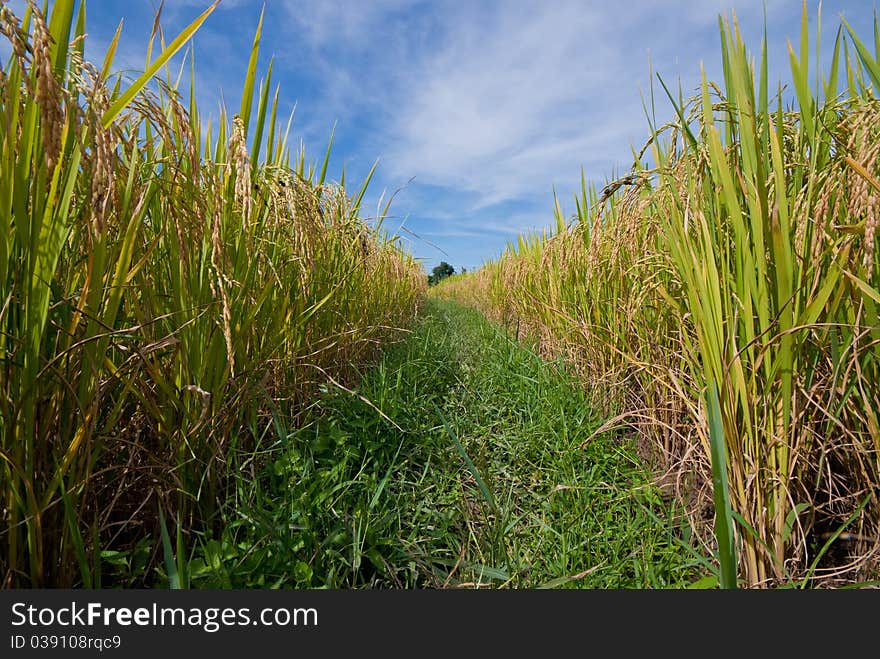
458, 462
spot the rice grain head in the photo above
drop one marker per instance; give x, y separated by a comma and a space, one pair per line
50, 96
239, 160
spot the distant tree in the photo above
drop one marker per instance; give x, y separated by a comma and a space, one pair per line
440, 272
463, 270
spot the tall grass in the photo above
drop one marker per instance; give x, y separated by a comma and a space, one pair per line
166, 285
724, 302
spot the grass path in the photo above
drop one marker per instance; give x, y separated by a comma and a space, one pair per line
472, 475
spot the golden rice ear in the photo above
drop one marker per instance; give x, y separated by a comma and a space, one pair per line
10, 27
49, 92
870, 233
239, 165
103, 160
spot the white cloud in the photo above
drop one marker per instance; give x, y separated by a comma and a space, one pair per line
521, 95
349, 22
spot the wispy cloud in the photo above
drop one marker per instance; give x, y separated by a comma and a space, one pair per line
489, 105
520, 95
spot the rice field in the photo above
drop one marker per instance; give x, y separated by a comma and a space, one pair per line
216, 370
170, 289
721, 301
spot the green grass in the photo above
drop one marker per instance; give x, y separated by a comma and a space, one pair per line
458, 462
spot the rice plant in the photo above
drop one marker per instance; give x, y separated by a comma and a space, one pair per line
722, 299
165, 284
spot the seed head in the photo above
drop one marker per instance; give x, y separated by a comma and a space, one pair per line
870, 232
103, 152
49, 94
238, 158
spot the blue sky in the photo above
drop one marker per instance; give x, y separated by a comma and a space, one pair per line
475, 110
